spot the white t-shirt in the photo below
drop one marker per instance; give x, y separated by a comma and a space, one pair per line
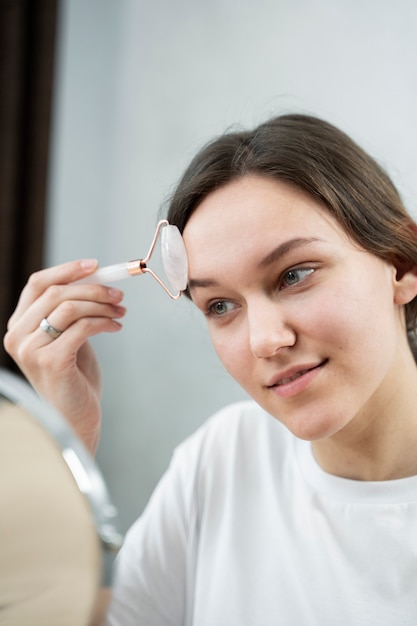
246, 529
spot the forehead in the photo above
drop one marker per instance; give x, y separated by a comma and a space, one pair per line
251, 214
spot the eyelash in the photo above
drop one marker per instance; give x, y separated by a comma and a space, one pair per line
293, 270
307, 270
211, 308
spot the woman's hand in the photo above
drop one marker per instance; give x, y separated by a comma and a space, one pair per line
64, 370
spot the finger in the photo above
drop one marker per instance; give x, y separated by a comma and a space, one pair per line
69, 296
62, 355
71, 340
58, 275
26, 336
38, 352
69, 312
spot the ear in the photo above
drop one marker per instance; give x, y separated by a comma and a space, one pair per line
405, 282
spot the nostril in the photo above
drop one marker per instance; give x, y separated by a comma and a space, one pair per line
269, 329
267, 344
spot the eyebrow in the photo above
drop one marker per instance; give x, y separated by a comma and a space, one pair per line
271, 257
284, 248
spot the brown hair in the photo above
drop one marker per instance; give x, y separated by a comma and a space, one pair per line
320, 159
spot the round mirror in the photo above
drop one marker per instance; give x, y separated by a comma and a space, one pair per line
56, 517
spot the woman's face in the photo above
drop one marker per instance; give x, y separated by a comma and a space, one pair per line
300, 316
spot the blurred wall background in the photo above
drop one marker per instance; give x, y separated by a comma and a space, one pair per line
140, 86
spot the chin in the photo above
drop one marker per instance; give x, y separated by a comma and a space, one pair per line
310, 428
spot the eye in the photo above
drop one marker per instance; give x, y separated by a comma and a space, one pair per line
219, 308
295, 276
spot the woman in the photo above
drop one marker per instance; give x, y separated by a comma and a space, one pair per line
304, 261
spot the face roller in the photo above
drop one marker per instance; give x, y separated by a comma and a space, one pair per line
174, 261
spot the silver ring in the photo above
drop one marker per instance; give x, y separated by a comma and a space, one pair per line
48, 329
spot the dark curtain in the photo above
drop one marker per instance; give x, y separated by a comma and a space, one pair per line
27, 48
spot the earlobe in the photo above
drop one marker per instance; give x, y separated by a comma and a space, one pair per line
405, 288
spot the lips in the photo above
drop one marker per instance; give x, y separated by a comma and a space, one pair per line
284, 381
284, 378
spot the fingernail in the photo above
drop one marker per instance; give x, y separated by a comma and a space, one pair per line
87, 264
115, 293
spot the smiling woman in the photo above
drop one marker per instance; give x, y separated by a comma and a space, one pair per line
300, 506
289, 319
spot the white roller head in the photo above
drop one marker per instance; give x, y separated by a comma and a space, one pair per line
174, 257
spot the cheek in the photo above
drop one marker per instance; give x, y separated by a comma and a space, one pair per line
355, 318
232, 350
330, 321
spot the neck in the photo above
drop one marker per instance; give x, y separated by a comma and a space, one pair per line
380, 443
371, 459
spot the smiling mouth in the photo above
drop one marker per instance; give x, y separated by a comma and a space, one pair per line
285, 381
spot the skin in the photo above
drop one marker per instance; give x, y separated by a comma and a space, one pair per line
285, 292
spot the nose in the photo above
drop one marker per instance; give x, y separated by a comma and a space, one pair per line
268, 329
